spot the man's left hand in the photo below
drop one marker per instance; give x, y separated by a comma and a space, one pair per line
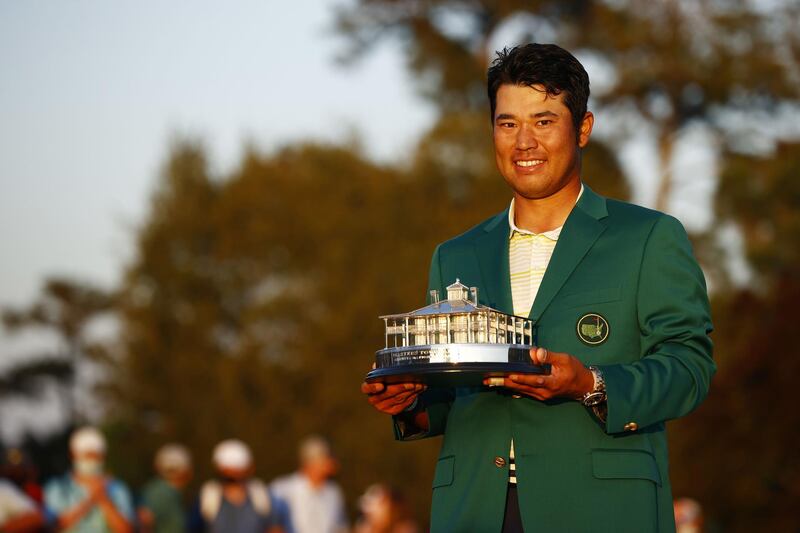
568, 378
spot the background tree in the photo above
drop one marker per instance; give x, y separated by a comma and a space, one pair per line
65, 308
664, 66
744, 425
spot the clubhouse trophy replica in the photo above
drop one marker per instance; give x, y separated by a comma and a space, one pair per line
456, 341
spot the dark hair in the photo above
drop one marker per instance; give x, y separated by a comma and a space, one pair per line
542, 64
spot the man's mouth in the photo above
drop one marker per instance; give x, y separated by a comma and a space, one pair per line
529, 162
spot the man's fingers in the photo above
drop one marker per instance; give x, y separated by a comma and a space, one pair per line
522, 386
514, 381
539, 355
543, 356
529, 380
378, 387
394, 404
372, 388
397, 399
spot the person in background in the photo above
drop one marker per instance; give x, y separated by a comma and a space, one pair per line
688, 516
87, 500
19, 469
384, 510
315, 501
18, 512
161, 509
237, 502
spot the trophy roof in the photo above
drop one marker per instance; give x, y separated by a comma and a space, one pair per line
445, 307
457, 302
457, 285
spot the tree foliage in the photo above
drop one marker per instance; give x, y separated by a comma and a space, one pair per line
669, 64
65, 308
737, 454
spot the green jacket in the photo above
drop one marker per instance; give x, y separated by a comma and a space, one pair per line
635, 268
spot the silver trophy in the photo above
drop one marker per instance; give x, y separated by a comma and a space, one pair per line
456, 341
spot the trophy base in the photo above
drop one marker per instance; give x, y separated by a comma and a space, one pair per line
452, 365
452, 374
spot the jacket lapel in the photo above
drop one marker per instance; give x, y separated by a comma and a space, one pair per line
491, 248
581, 230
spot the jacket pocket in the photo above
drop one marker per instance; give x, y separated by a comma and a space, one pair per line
443, 475
597, 296
625, 464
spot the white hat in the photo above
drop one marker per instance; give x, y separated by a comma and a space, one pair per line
173, 458
314, 448
232, 453
86, 440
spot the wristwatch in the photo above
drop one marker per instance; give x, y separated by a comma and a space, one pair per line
597, 395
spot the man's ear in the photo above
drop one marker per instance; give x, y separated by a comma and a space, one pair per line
586, 129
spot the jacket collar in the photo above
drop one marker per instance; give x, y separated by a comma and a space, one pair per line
581, 229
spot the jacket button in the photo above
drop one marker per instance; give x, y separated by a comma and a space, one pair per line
499, 462
631, 426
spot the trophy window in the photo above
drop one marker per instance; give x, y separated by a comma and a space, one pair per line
460, 328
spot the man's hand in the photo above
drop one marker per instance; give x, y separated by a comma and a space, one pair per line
96, 488
568, 378
391, 399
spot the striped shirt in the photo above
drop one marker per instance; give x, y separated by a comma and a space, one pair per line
529, 255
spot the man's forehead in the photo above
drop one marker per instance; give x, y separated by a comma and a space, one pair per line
528, 99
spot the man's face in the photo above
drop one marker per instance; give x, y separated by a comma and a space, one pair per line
88, 463
535, 142
234, 475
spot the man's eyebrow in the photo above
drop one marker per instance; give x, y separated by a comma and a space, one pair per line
544, 114
506, 116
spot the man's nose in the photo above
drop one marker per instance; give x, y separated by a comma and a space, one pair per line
526, 138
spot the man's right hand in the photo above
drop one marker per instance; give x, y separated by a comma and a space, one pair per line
392, 399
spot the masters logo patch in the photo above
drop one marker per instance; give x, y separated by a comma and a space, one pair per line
593, 329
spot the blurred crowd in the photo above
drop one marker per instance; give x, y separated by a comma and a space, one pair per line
87, 499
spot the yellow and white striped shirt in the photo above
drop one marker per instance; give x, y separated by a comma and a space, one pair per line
529, 255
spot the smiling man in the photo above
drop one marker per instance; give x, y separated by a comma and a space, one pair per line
621, 314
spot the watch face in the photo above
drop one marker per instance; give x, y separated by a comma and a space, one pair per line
594, 399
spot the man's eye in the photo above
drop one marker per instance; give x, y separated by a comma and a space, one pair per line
506, 124
544, 122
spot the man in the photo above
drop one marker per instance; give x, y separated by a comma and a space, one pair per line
87, 500
621, 313
161, 509
315, 501
238, 502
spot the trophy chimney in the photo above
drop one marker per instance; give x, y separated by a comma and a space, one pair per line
434, 296
473, 291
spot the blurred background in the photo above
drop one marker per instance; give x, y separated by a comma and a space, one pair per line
204, 207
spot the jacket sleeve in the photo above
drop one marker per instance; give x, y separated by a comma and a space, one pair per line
674, 373
436, 402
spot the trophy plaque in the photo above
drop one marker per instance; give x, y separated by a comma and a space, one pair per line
454, 342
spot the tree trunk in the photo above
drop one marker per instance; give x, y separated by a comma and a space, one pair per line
666, 146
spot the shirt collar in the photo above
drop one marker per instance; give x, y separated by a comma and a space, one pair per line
553, 234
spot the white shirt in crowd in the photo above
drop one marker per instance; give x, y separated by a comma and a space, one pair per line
311, 510
13, 502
